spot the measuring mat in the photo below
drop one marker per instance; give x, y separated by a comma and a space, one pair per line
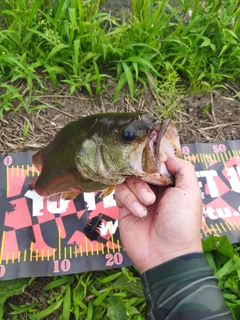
40, 238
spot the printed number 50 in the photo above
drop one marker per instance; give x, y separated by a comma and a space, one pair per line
219, 148
112, 259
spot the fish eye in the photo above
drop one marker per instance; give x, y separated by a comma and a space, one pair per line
128, 134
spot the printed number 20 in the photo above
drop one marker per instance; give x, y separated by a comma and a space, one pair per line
112, 259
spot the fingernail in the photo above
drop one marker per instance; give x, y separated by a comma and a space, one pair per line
139, 210
147, 196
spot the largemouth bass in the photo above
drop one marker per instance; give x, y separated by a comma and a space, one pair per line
98, 152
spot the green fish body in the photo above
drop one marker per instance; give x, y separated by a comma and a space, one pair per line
100, 151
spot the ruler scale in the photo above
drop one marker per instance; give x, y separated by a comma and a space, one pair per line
40, 238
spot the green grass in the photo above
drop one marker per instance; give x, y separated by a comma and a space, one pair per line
74, 42
225, 260
113, 294
156, 45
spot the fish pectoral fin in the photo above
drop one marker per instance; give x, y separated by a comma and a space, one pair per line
54, 197
32, 181
71, 194
37, 160
65, 195
107, 191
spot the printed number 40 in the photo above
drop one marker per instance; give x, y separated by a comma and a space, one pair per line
115, 258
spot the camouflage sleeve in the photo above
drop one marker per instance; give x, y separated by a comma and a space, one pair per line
184, 288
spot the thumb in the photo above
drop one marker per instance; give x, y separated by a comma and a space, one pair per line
183, 171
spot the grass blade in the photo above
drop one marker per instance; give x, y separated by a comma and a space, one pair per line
56, 49
129, 78
56, 305
67, 303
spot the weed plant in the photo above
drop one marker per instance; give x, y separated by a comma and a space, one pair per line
72, 41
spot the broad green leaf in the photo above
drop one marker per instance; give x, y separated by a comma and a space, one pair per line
129, 78
135, 66
232, 33
76, 45
143, 62
224, 48
22, 308
1, 310
26, 129
116, 309
56, 305
225, 269
55, 69
58, 282
229, 296
236, 265
33, 10
133, 287
111, 277
67, 303
101, 297
98, 76
131, 311
195, 8
206, 42
211, 261
82, 305
121, 82
87, 57
90, 310
11, 13
213, 47
220, 244
13, 90
56, 49
10, 288
12, 60
79, 292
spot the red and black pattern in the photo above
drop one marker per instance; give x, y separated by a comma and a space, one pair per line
39, 237
219, 179
35, 230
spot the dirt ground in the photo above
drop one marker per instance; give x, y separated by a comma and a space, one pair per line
204, 117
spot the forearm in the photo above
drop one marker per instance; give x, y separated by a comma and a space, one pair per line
184, 288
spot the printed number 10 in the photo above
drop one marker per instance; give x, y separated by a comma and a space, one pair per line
64, 265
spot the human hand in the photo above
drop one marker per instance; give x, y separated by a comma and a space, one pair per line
171, 226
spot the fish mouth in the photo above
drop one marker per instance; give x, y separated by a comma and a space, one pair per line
154, 140
163, 140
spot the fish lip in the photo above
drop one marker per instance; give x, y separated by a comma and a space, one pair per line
163, 128
161, 142
154, 141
